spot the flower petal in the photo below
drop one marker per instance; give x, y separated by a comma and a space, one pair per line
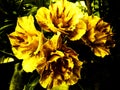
79, 31
54, 42
27, 42
43, 18
101, 51
26, 24
29, 64
45, 81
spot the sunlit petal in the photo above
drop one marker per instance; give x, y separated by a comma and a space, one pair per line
62, 16
101, 51
27, 42
98, 36
79, 31
60, 66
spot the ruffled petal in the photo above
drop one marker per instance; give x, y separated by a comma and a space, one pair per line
79, 31
101, 51
43, 19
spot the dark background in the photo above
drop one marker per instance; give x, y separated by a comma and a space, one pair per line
101, 75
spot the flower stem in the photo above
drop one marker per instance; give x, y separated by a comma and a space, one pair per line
16, 80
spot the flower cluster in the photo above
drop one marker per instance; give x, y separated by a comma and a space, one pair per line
50, 56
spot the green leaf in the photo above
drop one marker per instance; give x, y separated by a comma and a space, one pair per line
16, 82
30, 9
31, 85
4, 27
6, 59
32, 82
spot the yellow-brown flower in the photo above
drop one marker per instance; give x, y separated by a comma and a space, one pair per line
59, 65
62, 16
26, 42
98, 36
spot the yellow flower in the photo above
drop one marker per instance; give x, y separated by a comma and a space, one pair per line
60, 64
62, 16
98, 36
26, 42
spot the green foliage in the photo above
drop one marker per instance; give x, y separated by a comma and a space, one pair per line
95, 7
11, 9
31, 84
17, 81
